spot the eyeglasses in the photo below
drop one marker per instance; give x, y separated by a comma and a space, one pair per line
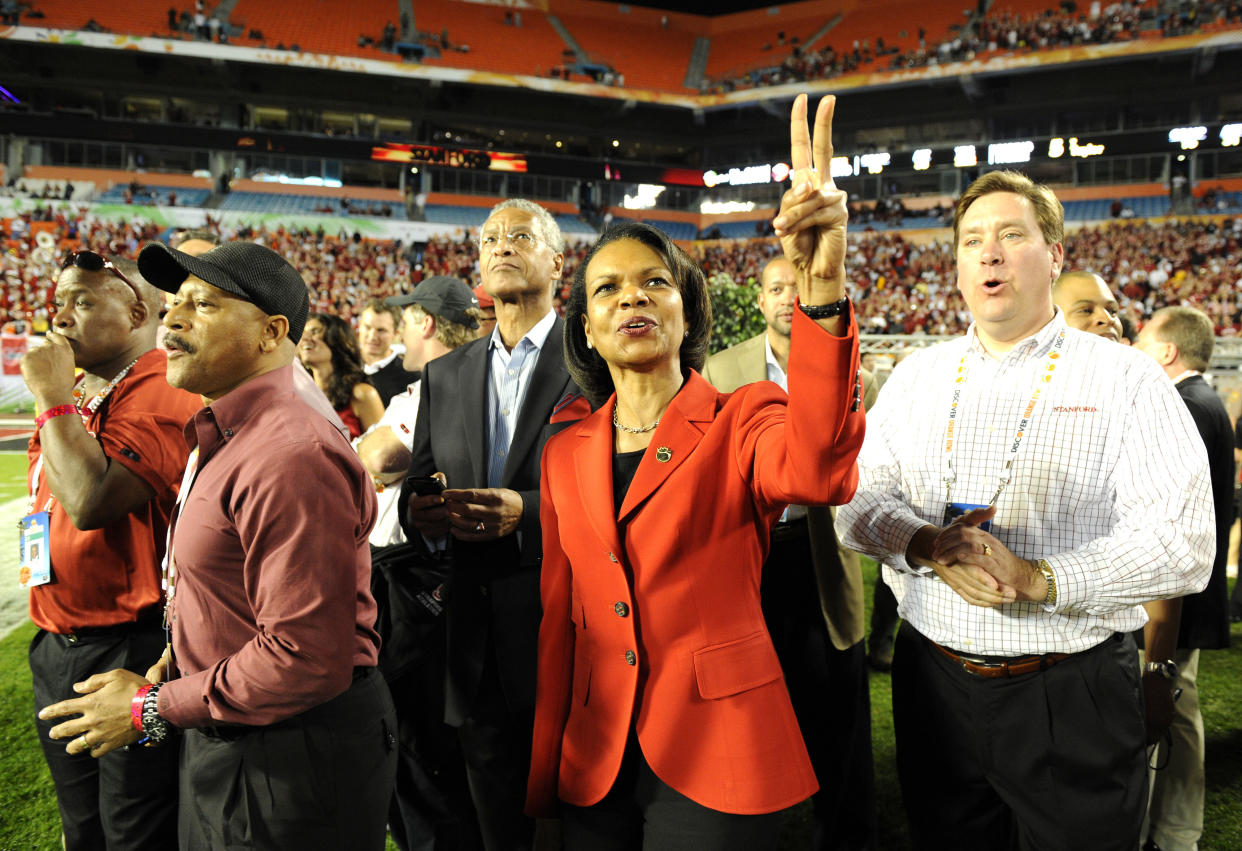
89, 261
521, 240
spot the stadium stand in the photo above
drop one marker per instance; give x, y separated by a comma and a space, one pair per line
645, 54
136, 17
279, 202
493, 44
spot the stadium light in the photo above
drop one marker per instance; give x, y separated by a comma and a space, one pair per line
1188, 137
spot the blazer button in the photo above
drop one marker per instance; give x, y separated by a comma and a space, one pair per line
621, 609
612, 558
630, 658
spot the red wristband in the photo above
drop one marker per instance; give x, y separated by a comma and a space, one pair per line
135, 707
58, 411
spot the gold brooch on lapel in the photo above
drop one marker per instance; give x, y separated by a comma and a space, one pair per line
664, 455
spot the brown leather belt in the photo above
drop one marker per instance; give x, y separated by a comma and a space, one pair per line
1015, 667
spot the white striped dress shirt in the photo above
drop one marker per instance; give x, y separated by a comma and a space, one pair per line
1110, 485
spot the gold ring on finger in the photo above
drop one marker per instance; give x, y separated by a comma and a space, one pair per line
987, 550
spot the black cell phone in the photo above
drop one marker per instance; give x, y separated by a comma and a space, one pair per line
424, 485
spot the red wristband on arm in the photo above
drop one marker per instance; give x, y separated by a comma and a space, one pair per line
135, 707
58, 411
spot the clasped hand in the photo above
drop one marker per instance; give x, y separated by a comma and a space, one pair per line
978, 567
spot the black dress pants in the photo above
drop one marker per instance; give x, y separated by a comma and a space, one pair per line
320, 781
1053, 759
830, 695
126, 799
496, 741
643, 813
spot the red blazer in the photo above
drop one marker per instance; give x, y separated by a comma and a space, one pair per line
687, 649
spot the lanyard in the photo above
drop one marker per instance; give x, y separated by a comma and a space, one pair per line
950, 433
169, 579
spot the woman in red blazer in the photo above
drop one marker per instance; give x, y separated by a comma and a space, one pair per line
662, 718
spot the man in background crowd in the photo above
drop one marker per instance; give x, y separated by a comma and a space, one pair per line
431, 801
105, 461
1088, 304
812, 597
1181, 340
379, 326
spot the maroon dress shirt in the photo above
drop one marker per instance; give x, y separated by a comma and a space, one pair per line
271, 603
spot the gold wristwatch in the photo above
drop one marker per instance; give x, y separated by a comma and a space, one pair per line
1051, 578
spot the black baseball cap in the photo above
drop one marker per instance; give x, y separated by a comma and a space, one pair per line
441, 295
246, 269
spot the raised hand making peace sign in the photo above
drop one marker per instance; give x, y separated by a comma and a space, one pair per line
812, 218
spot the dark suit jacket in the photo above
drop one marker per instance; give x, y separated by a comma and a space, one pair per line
493, 589
838, 571
1205, 616
391, 379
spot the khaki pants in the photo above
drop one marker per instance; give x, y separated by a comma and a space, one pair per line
1175, 813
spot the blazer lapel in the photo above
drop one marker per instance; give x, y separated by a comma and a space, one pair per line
472, 382
547, 386
681, 428
594, 452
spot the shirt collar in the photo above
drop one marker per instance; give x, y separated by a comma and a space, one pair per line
221, 420
372, 368
774, 366
537, 335
1190, 373
1037, 344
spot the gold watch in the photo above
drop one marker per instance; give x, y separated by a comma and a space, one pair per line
1051, 578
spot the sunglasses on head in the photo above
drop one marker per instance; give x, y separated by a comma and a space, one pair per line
89, 261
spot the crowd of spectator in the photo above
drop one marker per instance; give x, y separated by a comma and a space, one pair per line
998, 29
899, 286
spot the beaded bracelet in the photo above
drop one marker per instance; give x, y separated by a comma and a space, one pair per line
58, 411
135, 707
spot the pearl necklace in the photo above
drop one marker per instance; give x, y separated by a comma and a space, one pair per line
630, 430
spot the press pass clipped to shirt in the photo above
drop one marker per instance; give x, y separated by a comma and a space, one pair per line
36, 567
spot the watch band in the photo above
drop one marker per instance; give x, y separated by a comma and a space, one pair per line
1051, 578
823, 311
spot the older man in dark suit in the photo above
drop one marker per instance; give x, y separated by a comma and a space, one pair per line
486, 410
1180, 340
813, 602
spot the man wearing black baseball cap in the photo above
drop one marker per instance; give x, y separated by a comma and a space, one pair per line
431, 797
271, 674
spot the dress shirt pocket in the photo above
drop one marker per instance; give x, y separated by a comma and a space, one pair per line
736, 666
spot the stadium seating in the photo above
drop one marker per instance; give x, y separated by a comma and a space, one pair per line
648, 55
137, 17
157, 195
276, 202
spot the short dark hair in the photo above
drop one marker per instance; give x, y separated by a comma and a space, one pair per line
1049, 214
378, 306
588, 369
1190, 330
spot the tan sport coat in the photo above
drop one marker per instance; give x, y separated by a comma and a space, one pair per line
838, 572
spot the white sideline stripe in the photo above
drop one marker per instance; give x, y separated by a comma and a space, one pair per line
13, 597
